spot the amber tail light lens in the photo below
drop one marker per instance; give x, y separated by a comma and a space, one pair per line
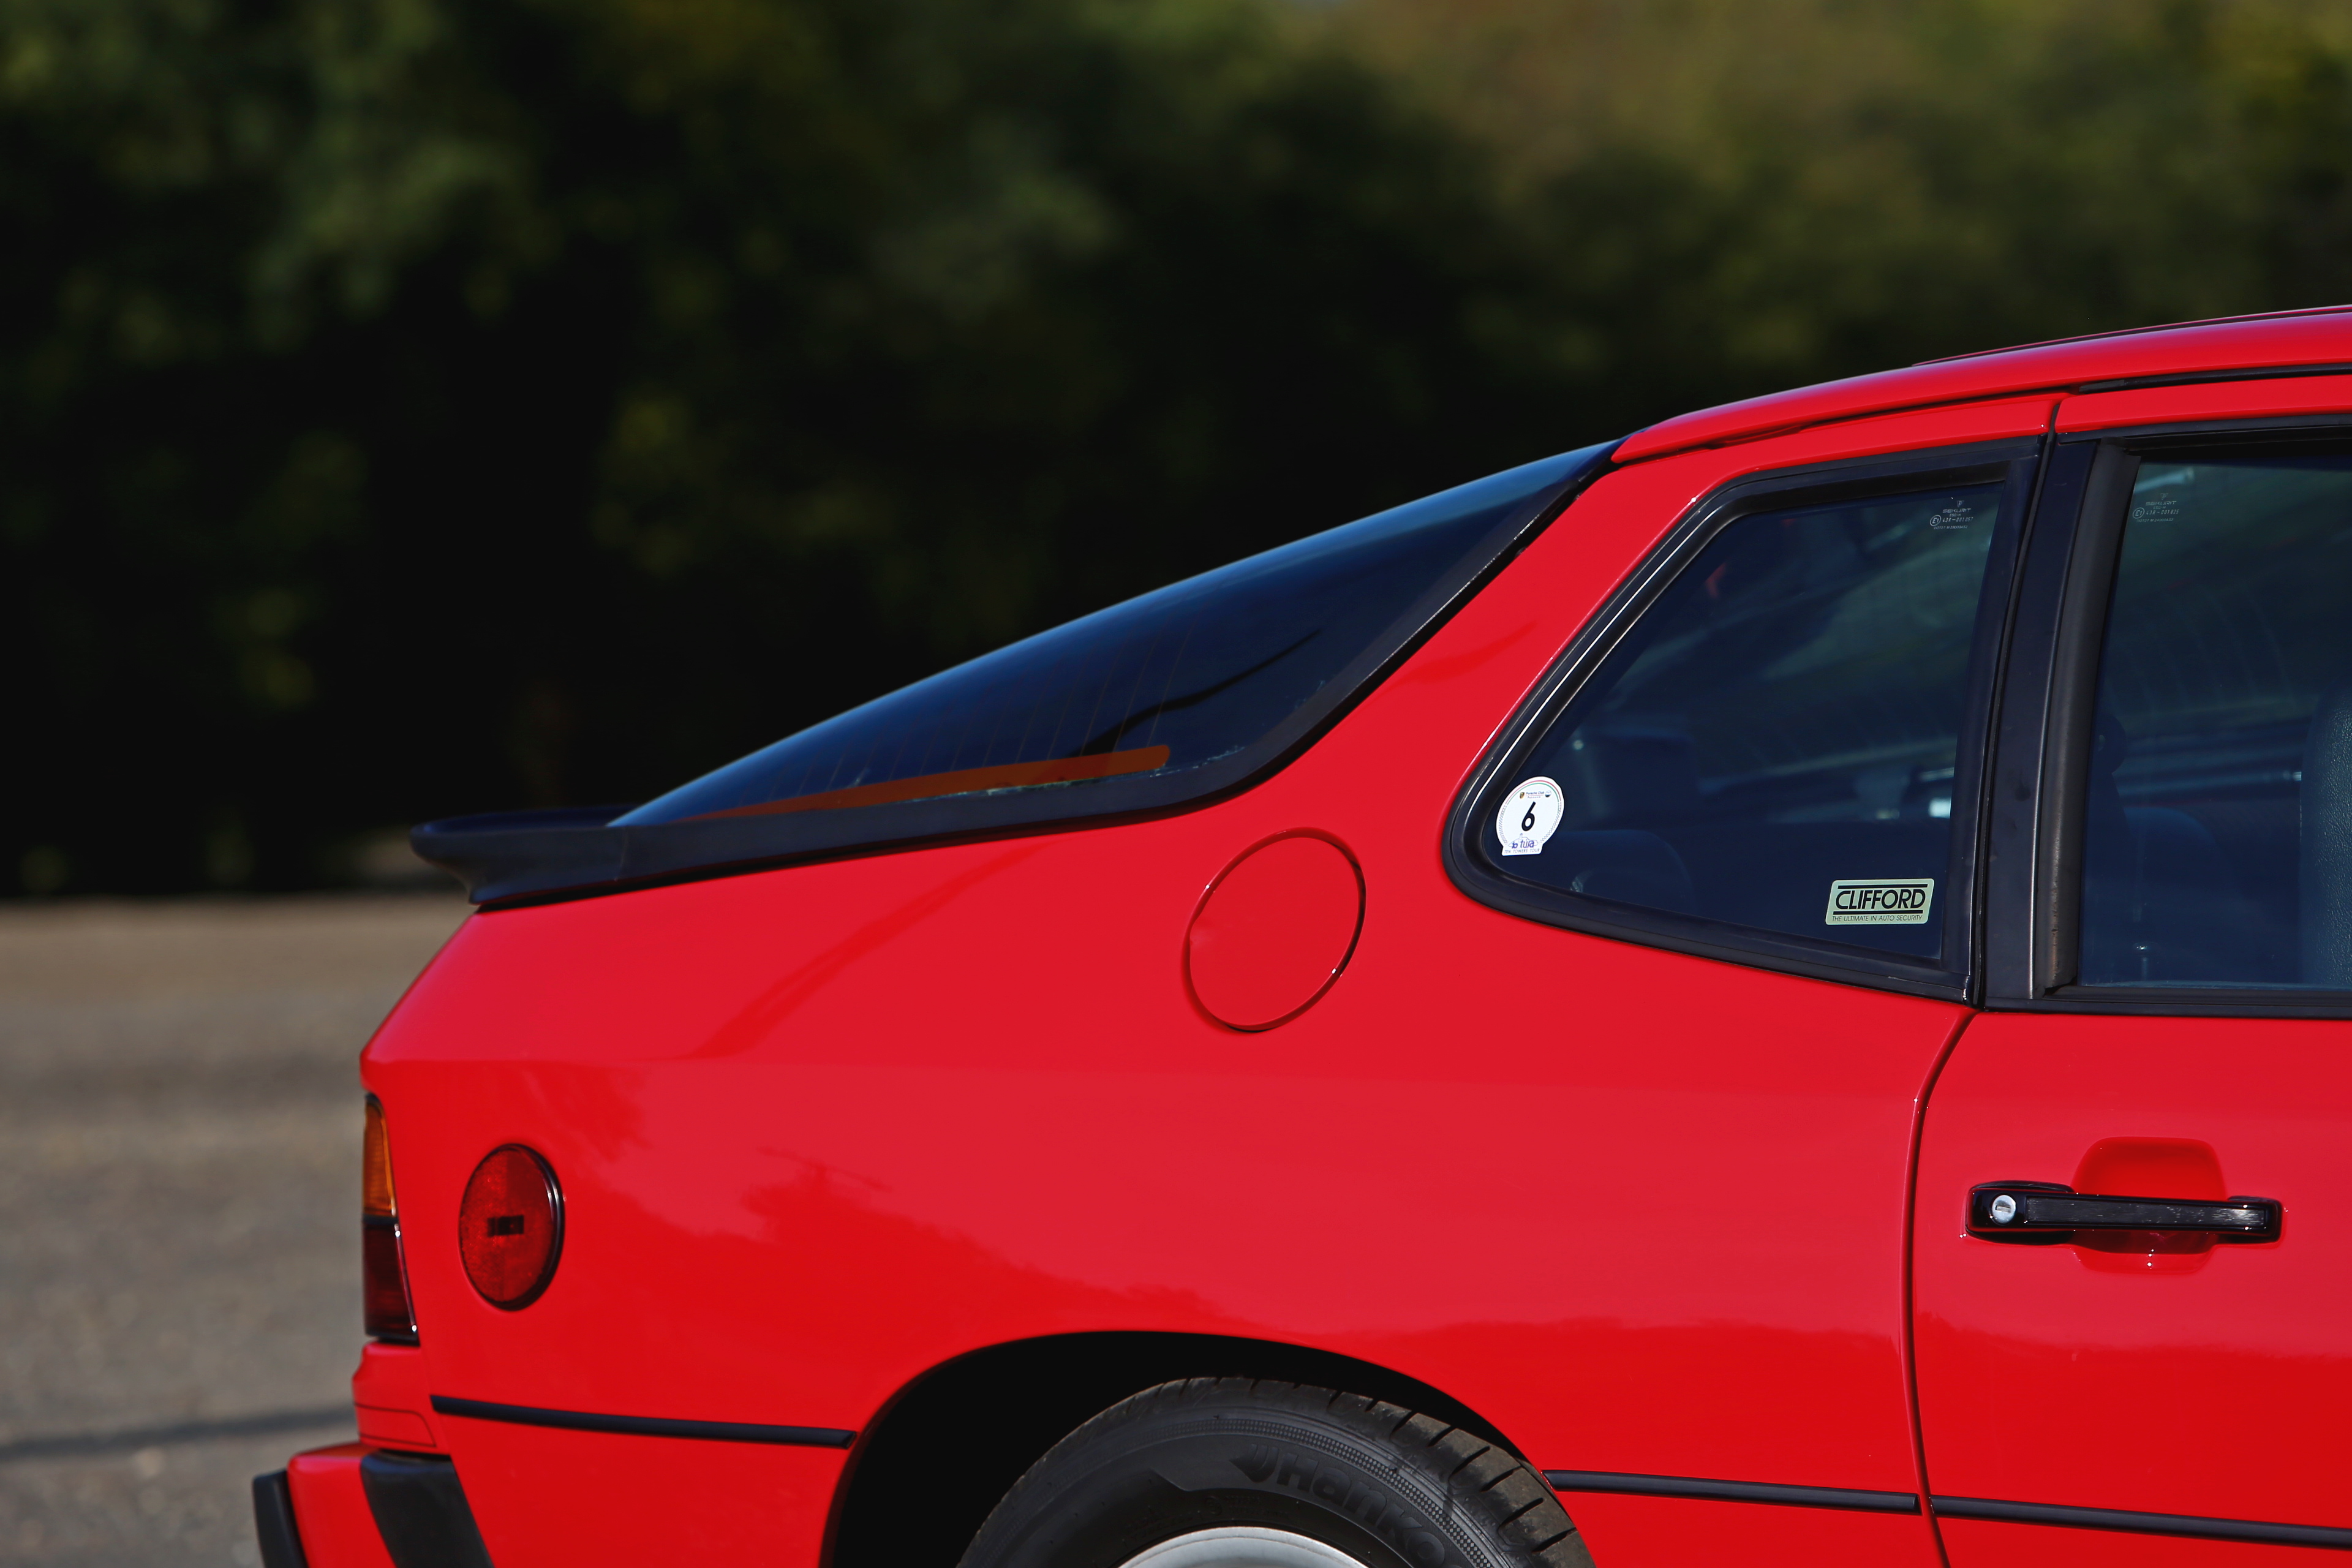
384, 1273
511, 1226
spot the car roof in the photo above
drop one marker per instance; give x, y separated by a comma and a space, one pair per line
2190, 350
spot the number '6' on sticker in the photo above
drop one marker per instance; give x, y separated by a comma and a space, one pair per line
1529, 815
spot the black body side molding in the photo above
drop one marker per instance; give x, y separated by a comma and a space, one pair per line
2195, 1526
1845, 1498
647, 1426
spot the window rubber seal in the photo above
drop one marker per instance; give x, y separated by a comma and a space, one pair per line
2013, 462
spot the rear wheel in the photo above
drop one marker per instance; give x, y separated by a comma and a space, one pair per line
1231, 1473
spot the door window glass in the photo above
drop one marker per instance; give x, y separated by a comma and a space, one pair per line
2218, 823
1774, 743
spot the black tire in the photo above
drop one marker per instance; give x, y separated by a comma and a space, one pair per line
1386, 1487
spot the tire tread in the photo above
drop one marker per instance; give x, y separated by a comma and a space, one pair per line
1486, 1480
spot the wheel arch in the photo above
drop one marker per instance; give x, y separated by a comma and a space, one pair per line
938, 1455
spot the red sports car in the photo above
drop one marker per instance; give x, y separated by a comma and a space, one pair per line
1771, 992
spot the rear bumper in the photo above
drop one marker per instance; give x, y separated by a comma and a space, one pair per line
354, 1507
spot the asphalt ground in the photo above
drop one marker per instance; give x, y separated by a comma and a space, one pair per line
180, 1120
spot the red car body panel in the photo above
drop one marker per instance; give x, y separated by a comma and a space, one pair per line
823, 1129
1665, 1533
392, 1394
851, 1121
550, 1499
337, 1530
2271, 397
2291, 339
2187, 1382
2043, 1546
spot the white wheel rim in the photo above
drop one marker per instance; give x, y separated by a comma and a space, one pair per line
1242, 1546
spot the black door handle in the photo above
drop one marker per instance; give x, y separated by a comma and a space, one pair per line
2046, 1212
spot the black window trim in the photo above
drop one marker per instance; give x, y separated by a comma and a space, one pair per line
508, 860
2033, 899
2209, 377
2015, 463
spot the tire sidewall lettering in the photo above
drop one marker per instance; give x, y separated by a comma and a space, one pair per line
1347, 1490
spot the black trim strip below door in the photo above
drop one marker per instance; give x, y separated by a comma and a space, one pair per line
2182, 1524
647, 1426
1845, 1498
2191, 1526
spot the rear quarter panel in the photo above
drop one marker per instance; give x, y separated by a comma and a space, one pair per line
821, 1128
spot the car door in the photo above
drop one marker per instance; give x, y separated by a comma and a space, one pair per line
1721, 938
2158, 1376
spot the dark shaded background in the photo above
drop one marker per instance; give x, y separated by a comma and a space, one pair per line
410, 408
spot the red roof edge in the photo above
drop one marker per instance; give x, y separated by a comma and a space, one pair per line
2320, 335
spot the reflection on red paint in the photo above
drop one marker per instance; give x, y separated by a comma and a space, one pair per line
2149, 1168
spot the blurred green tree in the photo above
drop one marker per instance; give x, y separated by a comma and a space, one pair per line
417, 407
1748, 194
409, 408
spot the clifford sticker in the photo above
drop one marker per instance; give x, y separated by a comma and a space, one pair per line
1881, 901
1529, 815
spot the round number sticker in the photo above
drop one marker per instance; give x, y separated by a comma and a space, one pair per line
1529, 815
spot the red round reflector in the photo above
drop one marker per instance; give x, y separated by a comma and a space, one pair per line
511, 1226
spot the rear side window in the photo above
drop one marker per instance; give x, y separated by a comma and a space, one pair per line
1161, 687
2218, 820
1773, 744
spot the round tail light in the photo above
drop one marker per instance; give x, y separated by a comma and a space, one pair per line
511, 1226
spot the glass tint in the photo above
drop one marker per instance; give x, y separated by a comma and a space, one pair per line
1171, 682
1774, 743
2218, 829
